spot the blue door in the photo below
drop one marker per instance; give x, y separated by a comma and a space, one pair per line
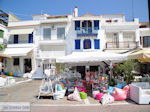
96, 43
15, 39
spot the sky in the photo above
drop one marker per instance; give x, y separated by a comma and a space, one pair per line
24, 9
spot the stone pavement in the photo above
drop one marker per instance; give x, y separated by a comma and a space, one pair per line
28, 91
105, 108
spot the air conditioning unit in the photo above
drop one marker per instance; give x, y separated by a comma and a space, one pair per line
53, 27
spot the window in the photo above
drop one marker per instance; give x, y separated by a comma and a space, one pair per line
1, 33
87, 44
96, 43
47, 33
96, 24
129, 36
146, 41
77, 44
77, 25
16, 39
16, 61
60, 33
30, 38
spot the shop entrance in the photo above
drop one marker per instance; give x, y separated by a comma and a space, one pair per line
27, 65
81, 70
93, 68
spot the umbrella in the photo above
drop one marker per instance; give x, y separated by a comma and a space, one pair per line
142, 54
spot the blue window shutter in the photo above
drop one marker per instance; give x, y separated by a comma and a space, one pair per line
15, 39
30, 38
77, 25
96, 24
96, 43
77, 44
87, 44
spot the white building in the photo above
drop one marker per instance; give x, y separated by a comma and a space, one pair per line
35, 44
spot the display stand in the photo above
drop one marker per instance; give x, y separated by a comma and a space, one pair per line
46, 88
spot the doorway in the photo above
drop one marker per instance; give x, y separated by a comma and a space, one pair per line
116, 40
27, 65
81, 70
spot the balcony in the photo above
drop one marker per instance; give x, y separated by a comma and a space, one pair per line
20, 43
52, 42
51, 54
122, 45
84, 31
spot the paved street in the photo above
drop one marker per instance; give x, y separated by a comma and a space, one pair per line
107, 108
27, 92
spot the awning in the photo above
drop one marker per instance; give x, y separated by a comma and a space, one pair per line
21, 31
142, 55
17, 51
5, 55
91, 57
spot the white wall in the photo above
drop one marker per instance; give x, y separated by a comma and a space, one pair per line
2, 27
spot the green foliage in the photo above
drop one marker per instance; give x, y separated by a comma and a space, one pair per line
2, 47
59, 68
126, 67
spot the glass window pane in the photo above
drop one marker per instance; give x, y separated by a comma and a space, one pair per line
47, 33
60, 33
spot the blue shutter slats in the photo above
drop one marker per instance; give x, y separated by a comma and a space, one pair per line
96, 43
77, 44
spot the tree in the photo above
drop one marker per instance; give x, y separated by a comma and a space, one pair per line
126, 68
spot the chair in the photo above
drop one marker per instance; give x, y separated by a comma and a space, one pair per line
140, 92
46, 88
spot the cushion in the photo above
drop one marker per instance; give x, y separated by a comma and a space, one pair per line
119, 94
74, 96
99, 96
110, 89
119, 85
95, 93
10, 74
83, 95
59, 87
106, 99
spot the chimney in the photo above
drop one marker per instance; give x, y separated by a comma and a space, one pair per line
75, 12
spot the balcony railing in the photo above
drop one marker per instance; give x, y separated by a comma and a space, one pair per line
87, 30
129, 45
20, 42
